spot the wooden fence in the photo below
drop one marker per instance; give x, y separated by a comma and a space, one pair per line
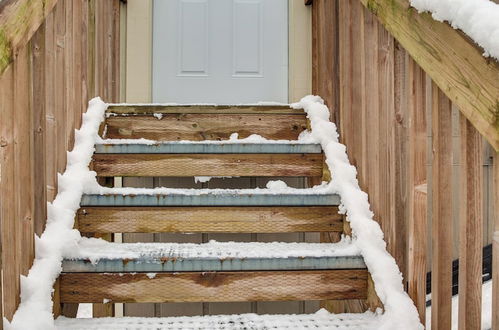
54, 57
427, 169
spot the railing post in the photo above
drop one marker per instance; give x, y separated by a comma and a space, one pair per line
441, 280
470, 227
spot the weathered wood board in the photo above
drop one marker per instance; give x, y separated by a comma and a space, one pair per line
209, 219
188, 165
203, 126
213, 286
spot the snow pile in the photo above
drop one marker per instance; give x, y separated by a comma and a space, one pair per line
400, 312
35, 310
479, 19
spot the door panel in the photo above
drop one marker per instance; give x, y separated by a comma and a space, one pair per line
220, 51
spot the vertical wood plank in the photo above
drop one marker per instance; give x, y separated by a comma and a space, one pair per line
441, 281
23, 135
495, 246
470, 225
39, 126
10, 258
416, 199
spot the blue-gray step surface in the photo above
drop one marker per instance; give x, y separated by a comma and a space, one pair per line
208, 148
211, 200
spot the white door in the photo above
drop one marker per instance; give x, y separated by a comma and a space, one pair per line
220, 51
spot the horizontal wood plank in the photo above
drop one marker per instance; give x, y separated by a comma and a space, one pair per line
198, 127
188, 165
213, 286
141, 109
209, 219
450, 58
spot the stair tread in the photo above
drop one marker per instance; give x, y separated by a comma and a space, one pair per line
117, 146
210, 197
211, 256
319, 320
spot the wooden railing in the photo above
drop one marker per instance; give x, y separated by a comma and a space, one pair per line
412, 96
54, 57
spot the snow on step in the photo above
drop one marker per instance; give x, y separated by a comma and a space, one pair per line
320, 320
212, 256
204, 147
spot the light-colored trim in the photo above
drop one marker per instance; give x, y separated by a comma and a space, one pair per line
300, 50
139, 51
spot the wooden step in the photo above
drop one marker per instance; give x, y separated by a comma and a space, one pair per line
319, 320
209, 199
189, 165
269, 219
203, 122
207, 148
213, 286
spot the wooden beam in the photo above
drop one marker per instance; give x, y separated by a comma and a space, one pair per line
209, 219
213, 286
144, 109
454, 63
197, 127
470, 227
441, 280
189, 165
19, 20
495, 247
417, 196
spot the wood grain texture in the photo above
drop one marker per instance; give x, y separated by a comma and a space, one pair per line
214, 287
189, 165
19, 20
441, 280
209, 219
470, 231
454, 63
143, 109
417, 196
197, 127
495, 246
324, 47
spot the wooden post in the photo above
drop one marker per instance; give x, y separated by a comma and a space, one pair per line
416, 199
495, 247
441, 280
470, 228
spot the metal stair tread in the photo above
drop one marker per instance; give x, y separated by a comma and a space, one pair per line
97, 256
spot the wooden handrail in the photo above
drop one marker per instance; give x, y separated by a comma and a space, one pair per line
19, 20
453, 61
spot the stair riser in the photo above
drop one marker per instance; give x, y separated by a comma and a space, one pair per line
198, 127
214, 287
189, 165
209, 219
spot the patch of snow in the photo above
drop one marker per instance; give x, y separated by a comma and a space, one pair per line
85, 311
151, 275
486, 309
35, 309
105, 300
95, 249
158, 115
234, 138
479, 19
400, 312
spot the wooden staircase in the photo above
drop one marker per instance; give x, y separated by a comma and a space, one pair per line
212, 272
